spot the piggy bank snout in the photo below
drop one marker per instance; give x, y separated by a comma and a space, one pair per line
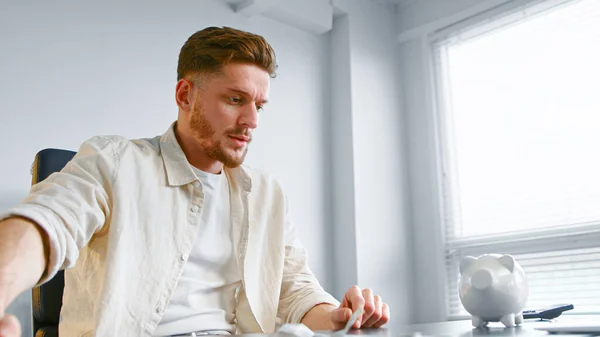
482, 279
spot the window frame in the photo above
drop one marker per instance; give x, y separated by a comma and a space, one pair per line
534, 241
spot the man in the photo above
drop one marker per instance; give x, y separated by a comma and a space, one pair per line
171, 236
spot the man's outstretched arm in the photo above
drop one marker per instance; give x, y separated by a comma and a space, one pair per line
45, 233
23, 259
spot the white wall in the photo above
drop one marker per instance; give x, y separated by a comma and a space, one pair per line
370, 213
341, 146
417, 23
70, 70
428, 273
381, 219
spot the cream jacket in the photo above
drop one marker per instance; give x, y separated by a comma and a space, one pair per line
122, 217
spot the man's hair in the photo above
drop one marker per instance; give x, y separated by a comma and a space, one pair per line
209, 50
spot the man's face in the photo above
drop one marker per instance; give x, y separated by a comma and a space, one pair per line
224, 111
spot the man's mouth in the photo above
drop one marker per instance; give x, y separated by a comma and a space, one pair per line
240, 140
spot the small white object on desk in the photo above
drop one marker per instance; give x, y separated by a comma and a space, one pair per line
297, 330
301, 330
574, 326
493, 288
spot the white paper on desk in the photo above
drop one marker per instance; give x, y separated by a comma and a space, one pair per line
301, 330
298, 330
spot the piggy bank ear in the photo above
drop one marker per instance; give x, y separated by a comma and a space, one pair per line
507, 261
465, 263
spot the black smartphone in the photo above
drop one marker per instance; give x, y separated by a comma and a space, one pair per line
547, 313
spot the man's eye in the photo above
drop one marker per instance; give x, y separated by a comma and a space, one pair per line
260, 108
235, 100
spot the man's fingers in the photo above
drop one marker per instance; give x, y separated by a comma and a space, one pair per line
377, 313
9, 326
385, 316
369, 305
340, 316
355, 298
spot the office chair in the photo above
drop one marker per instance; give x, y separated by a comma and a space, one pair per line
47, 298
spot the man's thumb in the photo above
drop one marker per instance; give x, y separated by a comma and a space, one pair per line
9, 326
341, 315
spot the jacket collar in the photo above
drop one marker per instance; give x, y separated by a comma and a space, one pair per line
180, 172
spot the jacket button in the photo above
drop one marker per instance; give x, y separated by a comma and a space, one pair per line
195, 208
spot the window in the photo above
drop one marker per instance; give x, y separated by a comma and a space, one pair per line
519, 112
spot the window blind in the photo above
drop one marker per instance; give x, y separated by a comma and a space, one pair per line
520, 141
556, 271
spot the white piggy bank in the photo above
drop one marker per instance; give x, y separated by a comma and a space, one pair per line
493, 288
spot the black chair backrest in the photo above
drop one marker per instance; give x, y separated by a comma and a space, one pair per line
47, 298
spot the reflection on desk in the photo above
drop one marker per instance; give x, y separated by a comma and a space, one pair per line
465, 329
451, 329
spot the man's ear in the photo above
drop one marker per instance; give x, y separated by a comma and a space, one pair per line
183, 93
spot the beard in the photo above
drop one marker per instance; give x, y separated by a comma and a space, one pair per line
214, 149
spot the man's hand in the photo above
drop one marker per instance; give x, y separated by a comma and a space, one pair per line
376, 313
9, 326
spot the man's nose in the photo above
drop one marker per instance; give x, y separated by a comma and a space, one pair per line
249, 117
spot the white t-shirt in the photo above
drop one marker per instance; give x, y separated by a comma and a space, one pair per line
204, 298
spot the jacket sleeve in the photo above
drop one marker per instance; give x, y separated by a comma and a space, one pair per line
73, 204
300, 290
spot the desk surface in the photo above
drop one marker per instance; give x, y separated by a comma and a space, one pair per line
461, 329
453, 329
465, 329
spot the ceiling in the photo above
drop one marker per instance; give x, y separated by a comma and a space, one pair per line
395, 2
234, 2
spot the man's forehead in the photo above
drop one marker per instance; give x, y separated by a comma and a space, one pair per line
245, 71
247, 79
